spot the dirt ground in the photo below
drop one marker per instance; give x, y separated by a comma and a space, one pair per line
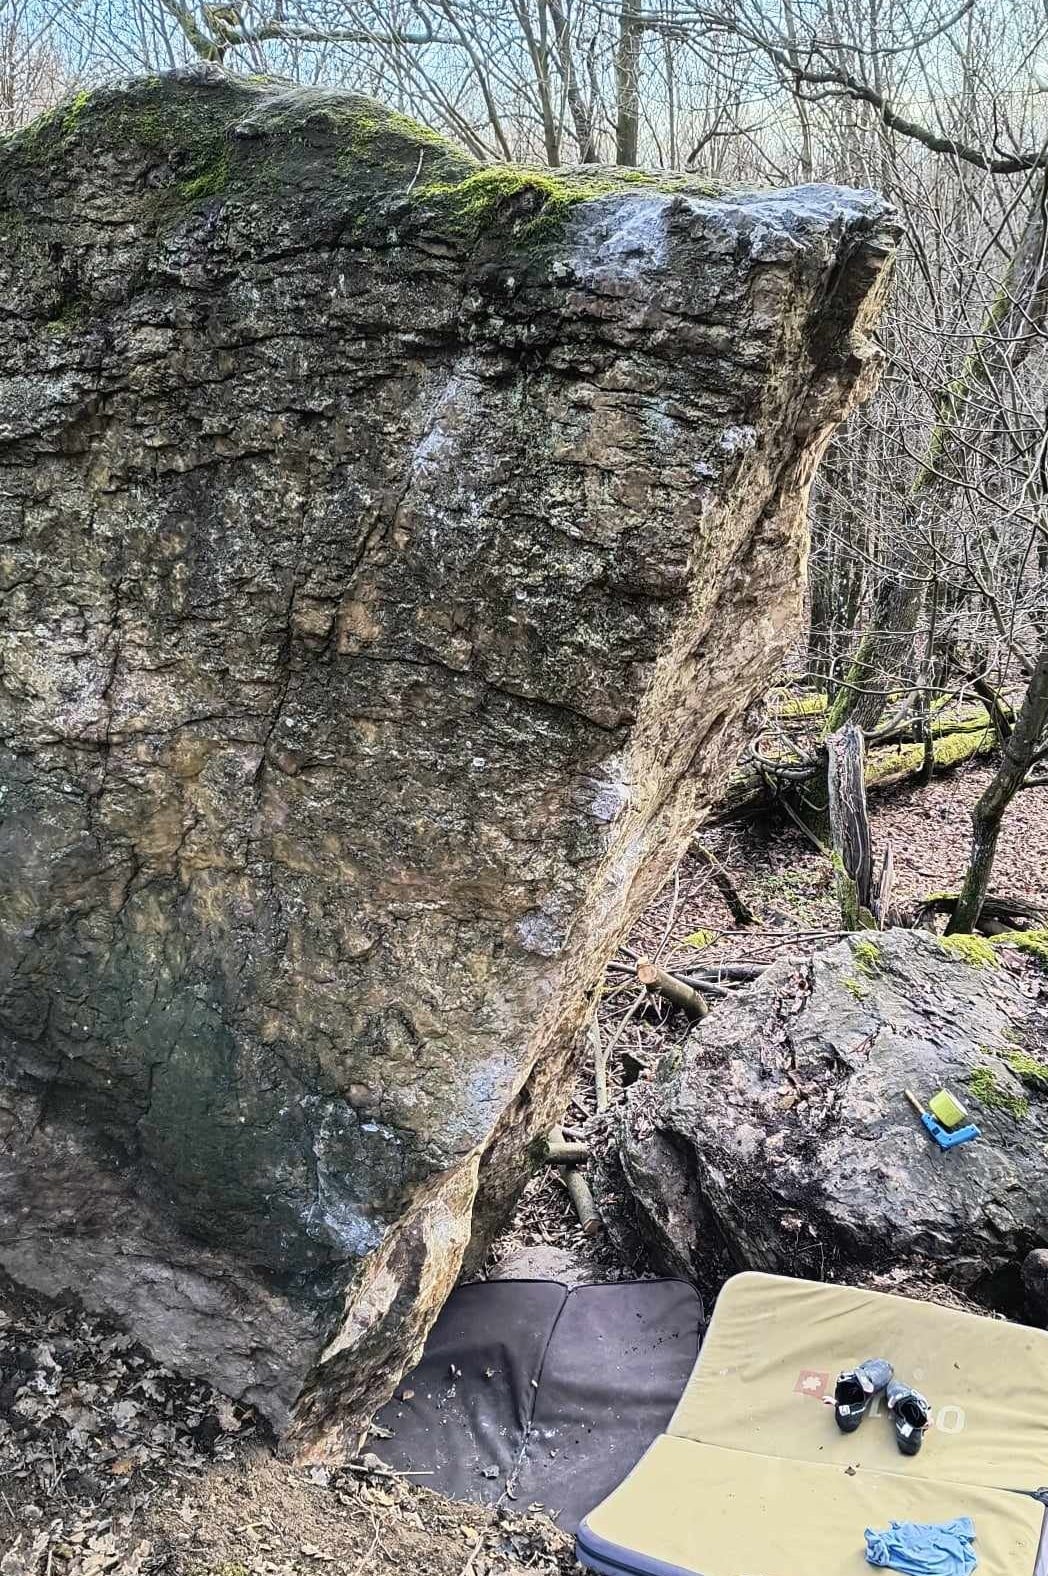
109, 1464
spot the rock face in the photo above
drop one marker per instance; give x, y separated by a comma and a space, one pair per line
1035, 1286
389, 548
780, 1137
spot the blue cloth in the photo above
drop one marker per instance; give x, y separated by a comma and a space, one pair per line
928, 1550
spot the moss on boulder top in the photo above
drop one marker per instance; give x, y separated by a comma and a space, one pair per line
1032, 942
975, 950
206, 136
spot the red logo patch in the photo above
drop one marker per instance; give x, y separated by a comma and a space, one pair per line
809, 1382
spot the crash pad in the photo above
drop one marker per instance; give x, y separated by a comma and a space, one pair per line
531, 1392
772, 1484
706, 1510
775, 1347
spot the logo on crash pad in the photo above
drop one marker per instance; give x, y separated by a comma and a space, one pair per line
811, 1382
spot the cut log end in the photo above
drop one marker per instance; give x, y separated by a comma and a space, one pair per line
671, 989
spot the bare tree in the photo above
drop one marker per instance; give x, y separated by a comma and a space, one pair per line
1025, 749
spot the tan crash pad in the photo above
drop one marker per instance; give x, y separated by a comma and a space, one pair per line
775, 1346
698, 1508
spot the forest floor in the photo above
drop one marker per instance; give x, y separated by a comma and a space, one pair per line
111, 1466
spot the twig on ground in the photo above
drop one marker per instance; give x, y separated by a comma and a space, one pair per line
674, 906
578, 1189
386, 1472
475, 1550
624, 1023
600, 1064
364, 1563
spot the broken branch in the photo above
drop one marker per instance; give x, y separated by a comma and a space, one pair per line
578, 1189
566, 1154
672, 989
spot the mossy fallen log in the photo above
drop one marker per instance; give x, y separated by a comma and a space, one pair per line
1003, 918
786, 707
754, 787
894, 762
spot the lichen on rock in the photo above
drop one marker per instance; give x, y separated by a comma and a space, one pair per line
381, 602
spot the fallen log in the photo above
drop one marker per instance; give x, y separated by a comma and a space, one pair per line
723, 986
566, 1154
785, 707
1000, 912
742, 972
756, 786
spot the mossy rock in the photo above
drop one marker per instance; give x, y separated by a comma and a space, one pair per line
976, 951
793, 1108
210, 137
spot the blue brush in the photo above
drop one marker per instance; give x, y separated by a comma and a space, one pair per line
944, 1139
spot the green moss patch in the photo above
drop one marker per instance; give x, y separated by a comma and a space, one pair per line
541, 200
1029, 1070
209, 183
867, 955
986, 1089
976, 951
1033, 942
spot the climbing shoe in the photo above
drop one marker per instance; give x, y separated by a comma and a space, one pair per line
856, 1389
910, 1414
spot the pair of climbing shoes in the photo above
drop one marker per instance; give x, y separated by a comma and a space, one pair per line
908, 1409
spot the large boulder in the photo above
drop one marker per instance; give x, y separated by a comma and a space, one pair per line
390, 547
779, 1137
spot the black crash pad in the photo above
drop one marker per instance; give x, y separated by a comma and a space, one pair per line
540, 1393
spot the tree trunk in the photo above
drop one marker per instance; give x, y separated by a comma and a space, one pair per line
1018, 757
850, 826
880, 657
627, 82
581, 110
